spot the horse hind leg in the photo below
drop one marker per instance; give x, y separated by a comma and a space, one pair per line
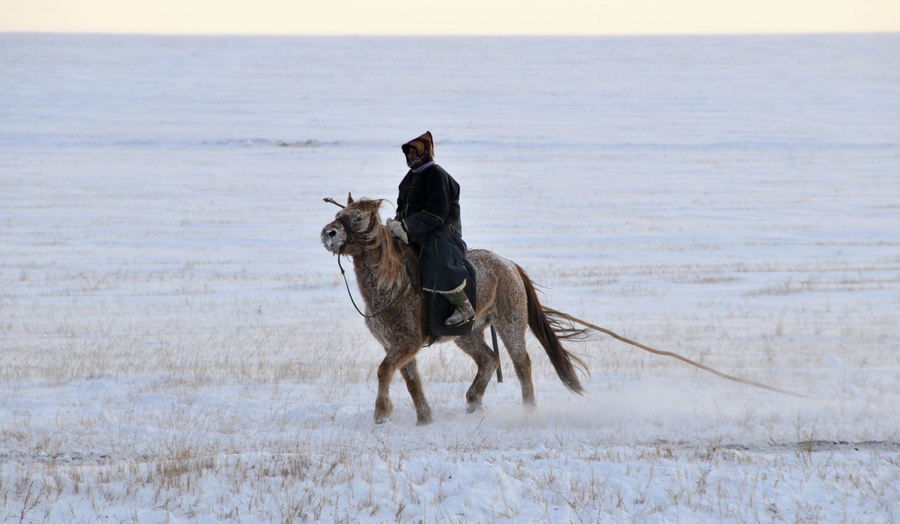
513, 336
410, 374
473, 345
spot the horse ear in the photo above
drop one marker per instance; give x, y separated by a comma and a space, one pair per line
349, 199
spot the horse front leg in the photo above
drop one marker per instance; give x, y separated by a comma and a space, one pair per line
414, 385
393, 360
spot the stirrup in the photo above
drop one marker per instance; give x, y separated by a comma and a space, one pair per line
464, 320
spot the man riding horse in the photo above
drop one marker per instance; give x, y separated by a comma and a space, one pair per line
428, 218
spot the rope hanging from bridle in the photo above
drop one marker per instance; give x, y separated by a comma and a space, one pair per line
669, 354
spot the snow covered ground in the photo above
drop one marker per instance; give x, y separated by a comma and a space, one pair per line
177, 346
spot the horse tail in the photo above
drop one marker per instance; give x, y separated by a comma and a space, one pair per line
549, 331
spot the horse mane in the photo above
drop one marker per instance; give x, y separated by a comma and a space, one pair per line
390, 266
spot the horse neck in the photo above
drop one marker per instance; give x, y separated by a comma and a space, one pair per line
365, 265
371, 265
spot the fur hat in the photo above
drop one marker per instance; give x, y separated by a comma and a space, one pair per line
424, 145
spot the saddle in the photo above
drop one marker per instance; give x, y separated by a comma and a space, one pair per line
439, 308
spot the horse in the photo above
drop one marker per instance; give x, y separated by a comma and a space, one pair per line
397, 312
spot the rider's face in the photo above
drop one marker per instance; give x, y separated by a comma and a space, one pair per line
411, 155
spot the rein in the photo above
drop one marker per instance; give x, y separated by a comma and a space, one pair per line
389, 304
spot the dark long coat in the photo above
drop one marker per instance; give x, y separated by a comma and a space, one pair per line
428, 203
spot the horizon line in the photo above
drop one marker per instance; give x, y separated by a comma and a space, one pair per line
449, 35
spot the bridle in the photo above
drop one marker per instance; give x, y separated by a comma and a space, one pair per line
351, 239
351, 235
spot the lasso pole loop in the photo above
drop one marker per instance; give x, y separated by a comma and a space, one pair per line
670, 354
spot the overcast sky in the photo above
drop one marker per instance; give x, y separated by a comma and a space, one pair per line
450, 17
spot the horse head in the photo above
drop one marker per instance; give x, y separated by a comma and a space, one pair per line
354, 227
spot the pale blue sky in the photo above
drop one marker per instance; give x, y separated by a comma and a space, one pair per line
456, 17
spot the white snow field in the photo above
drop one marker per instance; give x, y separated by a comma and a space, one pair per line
177, 346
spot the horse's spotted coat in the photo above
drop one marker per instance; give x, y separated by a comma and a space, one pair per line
506, 299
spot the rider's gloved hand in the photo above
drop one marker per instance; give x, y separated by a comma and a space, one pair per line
398, 229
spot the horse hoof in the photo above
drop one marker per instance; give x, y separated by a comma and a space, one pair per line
473, 407
424, 417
